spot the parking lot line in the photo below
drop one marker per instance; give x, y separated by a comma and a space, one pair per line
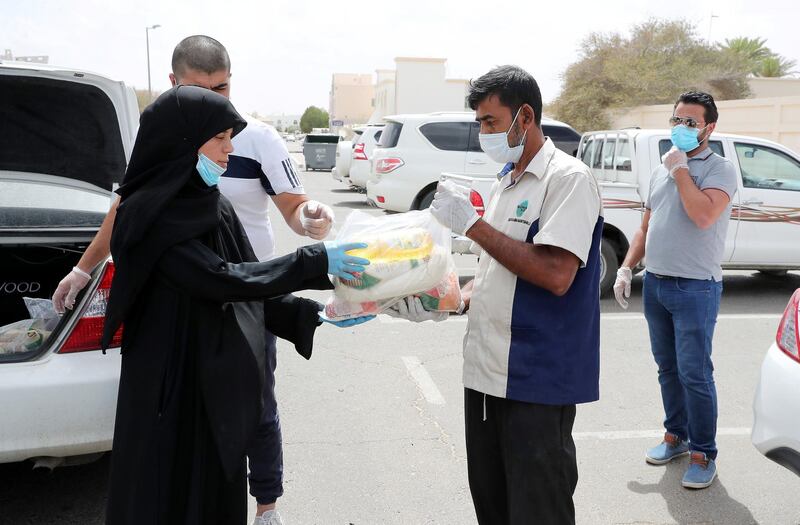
423, 380
640, 434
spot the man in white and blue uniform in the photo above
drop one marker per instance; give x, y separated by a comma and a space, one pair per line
531, 351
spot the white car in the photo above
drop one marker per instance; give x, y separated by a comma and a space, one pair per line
765, 230
344, 154
415, 150
362, 155
67, 136
776, 429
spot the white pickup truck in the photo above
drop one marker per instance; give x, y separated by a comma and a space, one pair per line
764, 235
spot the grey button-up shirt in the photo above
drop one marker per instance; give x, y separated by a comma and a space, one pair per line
675, 245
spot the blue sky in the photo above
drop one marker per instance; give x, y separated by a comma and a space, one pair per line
283, 52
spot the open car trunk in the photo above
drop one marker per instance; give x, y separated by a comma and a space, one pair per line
63, 138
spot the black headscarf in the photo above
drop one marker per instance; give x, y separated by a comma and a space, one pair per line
164, 201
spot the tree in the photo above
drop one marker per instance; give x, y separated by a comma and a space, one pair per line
660, 60
763, 61
143, 98
313, 117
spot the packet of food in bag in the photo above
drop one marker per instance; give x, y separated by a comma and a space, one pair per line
409, 254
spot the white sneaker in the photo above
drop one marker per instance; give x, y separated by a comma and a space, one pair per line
271, 517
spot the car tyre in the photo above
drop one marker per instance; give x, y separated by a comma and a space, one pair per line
426, 200
609, 264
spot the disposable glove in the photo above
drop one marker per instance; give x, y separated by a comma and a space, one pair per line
342, 265
411, 308
622, 286
675, 159
452, 208
348, 322
68, 289
317, 219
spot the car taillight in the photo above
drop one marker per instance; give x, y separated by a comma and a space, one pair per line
358, 152
788, 336
88, 332
388, 165
477, 202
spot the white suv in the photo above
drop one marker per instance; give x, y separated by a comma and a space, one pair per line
415, 150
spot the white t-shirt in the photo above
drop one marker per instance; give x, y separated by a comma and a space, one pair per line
259, 168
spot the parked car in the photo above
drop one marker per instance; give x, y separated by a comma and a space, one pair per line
765, 231
415, 150
67, 136
776, 428
344, 156
362, 155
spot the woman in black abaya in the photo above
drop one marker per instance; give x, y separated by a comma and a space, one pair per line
195, 306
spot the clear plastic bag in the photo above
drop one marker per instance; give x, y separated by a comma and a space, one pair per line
29, 335
409, 253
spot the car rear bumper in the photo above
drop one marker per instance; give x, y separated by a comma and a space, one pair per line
359, 173
335, 174
62, 405
776, 427
396, 194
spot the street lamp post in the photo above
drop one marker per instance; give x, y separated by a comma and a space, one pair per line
147, 38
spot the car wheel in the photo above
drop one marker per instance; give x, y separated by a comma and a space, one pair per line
425, 202
608, 266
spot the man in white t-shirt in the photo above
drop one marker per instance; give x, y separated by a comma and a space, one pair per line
259, 170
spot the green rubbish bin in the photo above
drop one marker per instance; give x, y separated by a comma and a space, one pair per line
319, 150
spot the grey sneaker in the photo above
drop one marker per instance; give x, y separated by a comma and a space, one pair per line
271, 517
672, 447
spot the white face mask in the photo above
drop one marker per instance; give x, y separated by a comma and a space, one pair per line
496, 146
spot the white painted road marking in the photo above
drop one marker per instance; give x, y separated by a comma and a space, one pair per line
603, 317
423, 380
639, 434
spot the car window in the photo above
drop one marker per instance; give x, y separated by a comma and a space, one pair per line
665, 145
560, 133
608, 152
588, 151
447, 136
623, 157
378, 135
390, 135
764, 167
598, 149
474, 141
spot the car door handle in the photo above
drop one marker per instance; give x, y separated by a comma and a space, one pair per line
753, 203
476, 161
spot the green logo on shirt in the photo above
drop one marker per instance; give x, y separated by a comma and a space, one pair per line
521, 207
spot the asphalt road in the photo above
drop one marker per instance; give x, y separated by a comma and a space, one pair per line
373, 424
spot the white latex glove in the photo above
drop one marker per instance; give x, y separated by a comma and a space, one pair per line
622, 286
675, 159
451, 207
317, 219
411, 308
68, 288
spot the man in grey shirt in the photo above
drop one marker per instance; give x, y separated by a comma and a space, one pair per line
683, 233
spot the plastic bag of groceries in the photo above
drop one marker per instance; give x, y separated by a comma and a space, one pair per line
409, 254
29, 335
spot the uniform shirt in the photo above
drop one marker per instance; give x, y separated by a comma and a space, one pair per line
259, 167
675, 246
523, 342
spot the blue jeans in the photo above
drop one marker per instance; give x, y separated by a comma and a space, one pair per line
266, 450
681, 315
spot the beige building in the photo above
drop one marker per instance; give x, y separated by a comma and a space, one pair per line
351, 98
773, 115
417, 85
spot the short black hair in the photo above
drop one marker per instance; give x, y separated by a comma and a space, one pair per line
703, 99
200, 53
514, 87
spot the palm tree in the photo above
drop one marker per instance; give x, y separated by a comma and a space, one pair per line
776, 66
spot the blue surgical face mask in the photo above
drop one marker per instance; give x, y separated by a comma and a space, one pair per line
209, 170
685, 138
496, 146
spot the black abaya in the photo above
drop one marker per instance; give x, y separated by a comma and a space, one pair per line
192, 353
